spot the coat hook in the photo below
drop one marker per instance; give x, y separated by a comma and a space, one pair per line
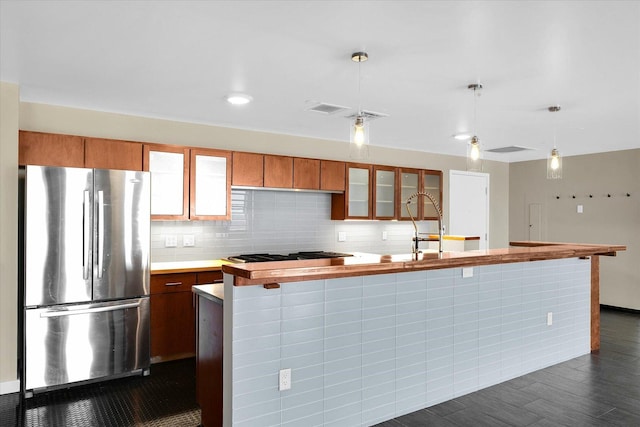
574, 196
558, 197
628, 195
608, 195
591, 196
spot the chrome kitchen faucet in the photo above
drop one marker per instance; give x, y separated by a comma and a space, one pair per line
416, 238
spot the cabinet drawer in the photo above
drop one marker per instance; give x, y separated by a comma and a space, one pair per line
179, 282
206, 277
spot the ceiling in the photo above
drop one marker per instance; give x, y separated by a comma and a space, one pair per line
177, 60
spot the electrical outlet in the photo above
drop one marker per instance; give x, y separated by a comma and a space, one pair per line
170, 241
384, 235
549, 319
342, 236
467, 272
188, 240
285, 379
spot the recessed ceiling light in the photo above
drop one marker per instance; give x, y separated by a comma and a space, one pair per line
462, 136
238, 99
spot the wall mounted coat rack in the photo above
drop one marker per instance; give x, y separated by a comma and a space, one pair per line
591, 196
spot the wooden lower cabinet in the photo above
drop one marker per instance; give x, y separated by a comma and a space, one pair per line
209, 361
172, 326
173, 314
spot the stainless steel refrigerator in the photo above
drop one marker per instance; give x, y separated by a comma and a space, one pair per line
86, 276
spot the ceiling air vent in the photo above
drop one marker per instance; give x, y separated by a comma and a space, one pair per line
326, 108
510, 149
368, 115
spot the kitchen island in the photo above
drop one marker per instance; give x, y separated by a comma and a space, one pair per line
369, 338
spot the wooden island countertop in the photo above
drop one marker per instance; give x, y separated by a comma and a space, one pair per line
266, 273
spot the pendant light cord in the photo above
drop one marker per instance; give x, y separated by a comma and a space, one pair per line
359, 92
475, 109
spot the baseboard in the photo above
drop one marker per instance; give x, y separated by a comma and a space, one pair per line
613, 307
8, 387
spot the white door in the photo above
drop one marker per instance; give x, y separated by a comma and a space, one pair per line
469, 205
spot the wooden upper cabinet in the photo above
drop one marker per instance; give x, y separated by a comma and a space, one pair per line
47, 149
356, 201
278, 171
210, 184
332, 175
432, 184
169, 167
384, 192
408, 184
248, 169
306, 174
112, 154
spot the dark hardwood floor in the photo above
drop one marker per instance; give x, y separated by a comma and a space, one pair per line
599, 389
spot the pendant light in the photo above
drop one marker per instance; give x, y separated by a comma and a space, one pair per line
359, 135
474, 151
554, 160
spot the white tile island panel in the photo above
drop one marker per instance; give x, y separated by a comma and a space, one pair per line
366, 349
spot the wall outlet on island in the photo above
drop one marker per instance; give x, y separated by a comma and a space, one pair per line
285, 379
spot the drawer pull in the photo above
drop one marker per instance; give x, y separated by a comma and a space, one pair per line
173, 284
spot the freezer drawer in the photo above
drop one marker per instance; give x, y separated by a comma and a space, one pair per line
70, 343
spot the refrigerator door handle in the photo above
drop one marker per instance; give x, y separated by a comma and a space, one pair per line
61, 313
86, 233
100, 232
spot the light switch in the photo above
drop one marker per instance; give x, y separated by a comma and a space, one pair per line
188, 240
579, 208
170, 241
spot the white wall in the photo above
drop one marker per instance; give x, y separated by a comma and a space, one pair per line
9, 103
614, 219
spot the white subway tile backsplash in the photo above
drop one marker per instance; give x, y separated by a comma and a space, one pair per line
278, 222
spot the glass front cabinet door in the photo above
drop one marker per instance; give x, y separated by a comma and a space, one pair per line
384, 184
409, 184
210, 188
169, 168
432, 184
359, 191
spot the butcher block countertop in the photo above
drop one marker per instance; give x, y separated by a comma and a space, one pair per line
186, 266
272, 273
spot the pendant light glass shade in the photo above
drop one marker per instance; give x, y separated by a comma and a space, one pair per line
359, 134
359, 141
474, 155
554, 165
554, 160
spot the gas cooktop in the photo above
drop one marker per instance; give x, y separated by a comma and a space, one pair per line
290, 257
